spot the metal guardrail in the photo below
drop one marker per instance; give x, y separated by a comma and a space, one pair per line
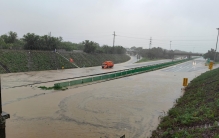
118, 74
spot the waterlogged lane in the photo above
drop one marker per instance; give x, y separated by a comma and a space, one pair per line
129, 105
189, 66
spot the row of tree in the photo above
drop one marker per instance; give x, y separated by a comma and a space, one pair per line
211, 54
93, 47
10, 41
157, 52
31, 41
153, 53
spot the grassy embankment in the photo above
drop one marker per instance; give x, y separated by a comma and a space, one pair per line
196, 113
146, 60
23, 61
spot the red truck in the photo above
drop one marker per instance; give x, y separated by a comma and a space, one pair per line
107, 64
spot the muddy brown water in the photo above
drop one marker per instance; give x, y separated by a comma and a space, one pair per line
130, 106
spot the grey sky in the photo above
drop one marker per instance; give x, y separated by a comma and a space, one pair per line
134, 21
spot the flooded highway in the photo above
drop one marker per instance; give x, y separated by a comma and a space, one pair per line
130, 105
37, 77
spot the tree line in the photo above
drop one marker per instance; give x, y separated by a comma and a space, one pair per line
211, 54
31, 41
154, 53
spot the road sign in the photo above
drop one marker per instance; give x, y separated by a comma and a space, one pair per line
207, 62
185, 81
210, 66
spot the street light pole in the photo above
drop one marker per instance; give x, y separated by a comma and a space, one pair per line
216, 45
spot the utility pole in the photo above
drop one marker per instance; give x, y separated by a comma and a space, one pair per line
149, 51
3, 116
150, 43
114, 34
216, 45
170, 45
170, 51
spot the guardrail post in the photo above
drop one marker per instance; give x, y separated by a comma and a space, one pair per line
3, 116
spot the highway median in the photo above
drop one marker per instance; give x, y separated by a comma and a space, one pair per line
116, 74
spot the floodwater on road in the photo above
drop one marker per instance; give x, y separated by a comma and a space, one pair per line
130, 105
36, 77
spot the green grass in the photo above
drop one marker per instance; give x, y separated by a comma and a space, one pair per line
2, 70
23, 61
146, 60
16, 61
198, 106
56, 87
212, 132
88, 60
46, 88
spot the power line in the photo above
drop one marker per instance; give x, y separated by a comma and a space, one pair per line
146, 35
132, 37
162, 39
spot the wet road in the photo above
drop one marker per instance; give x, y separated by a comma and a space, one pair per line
130, 105
30, 78
186, 67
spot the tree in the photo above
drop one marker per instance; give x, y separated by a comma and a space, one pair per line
119, 50
107, 49
155, 52
10, 38
36, 42
210, 54
89, 46
68, 46
31, 41
47, 42
80, 46
10, 41
171, 54
99, 49
144, 52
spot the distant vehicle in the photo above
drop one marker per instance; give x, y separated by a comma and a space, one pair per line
107, 64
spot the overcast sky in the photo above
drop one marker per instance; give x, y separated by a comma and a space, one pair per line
189, 24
